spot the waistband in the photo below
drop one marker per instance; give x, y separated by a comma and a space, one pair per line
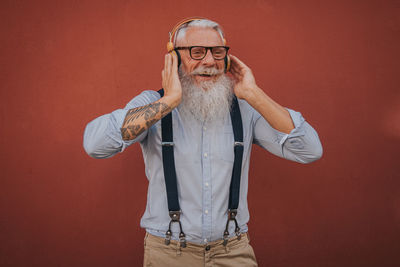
233, 242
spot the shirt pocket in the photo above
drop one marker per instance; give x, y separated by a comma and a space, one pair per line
225, 144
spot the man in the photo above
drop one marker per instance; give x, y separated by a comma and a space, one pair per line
200, 97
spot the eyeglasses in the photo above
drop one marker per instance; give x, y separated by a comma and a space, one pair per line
199, 52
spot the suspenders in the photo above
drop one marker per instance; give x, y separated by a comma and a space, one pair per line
170, 173
170, 176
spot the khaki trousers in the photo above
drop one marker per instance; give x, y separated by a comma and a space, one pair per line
236, 253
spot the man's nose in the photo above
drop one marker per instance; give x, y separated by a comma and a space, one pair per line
208, 60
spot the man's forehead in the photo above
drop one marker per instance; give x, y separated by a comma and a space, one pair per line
200, 36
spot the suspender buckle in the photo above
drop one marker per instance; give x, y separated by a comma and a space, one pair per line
232, 214
167, 143
175, 215
237, 143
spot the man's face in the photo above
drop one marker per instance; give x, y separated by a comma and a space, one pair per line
198, 36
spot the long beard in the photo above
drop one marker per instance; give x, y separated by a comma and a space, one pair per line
208, 101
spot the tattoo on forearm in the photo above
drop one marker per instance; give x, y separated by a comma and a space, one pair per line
137, 120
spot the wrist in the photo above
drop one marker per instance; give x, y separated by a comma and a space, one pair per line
252, 94
172, 100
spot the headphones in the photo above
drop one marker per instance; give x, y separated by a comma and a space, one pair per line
172, 33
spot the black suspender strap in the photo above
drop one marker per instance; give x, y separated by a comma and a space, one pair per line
234, 188
169, 161
170, 176
170, 173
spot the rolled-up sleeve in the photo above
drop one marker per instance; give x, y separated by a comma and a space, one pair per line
302, 144
102, 137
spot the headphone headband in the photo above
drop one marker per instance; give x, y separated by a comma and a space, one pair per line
179, 24
172, 33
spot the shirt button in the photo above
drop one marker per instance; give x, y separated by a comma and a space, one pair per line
204, 128
206, 184
205, 155
206, 211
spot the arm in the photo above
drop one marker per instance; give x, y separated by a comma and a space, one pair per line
301, 145
137, 120
283, 132
246, 88
112, 133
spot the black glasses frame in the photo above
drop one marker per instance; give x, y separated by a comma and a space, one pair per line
207, 48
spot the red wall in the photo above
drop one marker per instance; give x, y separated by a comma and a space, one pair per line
63, 63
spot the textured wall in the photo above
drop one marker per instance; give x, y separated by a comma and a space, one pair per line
63, 63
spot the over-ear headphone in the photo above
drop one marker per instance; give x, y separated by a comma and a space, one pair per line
172, 33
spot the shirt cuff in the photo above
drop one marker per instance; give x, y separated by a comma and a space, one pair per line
298, 130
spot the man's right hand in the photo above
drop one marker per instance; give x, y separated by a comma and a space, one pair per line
170, 80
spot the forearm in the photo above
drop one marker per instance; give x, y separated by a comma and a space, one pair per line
276, 115
138, 120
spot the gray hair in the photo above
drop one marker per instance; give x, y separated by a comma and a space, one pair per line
201, 23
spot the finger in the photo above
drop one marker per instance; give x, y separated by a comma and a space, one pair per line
235, 66
236, 69
164, 72
234, 63
174, 61
165, 60
236, 74
238, 63
167, 65
163, 78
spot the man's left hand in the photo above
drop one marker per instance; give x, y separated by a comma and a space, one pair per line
245, 83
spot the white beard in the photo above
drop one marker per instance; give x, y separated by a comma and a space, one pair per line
209, 101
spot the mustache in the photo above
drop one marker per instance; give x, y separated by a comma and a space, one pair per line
207, 71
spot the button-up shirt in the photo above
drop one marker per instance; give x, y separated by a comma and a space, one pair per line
203, 160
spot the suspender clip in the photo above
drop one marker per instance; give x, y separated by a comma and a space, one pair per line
182, 239
168, 235
231, 217
175, 217
226, 235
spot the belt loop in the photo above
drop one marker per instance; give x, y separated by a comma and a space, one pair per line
227, 250
145, 237
178, 248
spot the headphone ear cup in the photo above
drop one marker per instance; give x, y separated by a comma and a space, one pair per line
178, 56
227, 60
170, 46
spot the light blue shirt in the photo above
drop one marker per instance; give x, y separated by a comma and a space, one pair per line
204, 161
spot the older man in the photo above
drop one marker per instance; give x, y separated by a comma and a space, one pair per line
203, 169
